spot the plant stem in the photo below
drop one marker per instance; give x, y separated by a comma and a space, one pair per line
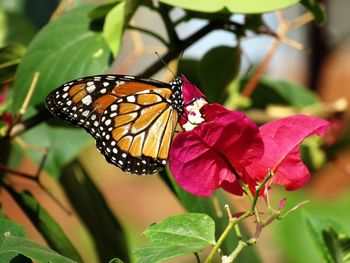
241, 245
232, 223
224, 235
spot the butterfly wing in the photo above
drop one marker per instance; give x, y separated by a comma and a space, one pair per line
134, 109
136, 131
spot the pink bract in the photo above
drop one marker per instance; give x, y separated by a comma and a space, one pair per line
206, 158
282, 139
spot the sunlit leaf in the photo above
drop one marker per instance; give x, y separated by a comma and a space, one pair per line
247, 7
176, 236
63, 50
113, 27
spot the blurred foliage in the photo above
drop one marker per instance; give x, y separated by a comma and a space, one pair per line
10, 57
329, 221
64, 40
88, 202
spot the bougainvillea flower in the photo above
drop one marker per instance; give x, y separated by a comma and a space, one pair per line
282, 139
203, 159
218, 146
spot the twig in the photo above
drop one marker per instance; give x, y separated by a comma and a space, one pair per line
235, 221
284, 27
149, 32
37, 180
26, 101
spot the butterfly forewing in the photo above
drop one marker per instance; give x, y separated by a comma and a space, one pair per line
132, 119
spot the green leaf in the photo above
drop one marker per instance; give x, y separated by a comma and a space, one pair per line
16, 28
65, 49
316, 9
312, 153
57, 136
113, 27
245, 7
9, 227
100, 12
13, 243
47, 226
108, 234
214, 207
116, 260
31, 250
217, 69
282, 93
332, 241
10, 57
176, 236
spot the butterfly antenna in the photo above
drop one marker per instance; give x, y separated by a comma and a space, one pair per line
165, 64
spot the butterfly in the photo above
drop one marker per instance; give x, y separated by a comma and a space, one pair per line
132, 119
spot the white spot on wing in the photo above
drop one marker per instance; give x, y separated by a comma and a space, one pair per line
131, 99
91, 88
87, 100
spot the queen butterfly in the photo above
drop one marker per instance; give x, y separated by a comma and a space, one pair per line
132, 119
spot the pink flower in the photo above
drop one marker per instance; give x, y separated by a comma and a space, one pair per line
202, 160
282, 139
219, 146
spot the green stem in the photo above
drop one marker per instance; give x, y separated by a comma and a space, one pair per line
224, 235
233, 222
241, 245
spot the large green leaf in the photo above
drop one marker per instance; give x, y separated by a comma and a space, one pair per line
63, 50
31, 250
9, 227
176, 236
332, 241
47, 226
13, 245
281, 93
246, 7
217, 69
106, 231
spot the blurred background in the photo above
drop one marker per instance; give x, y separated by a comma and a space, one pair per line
321, 63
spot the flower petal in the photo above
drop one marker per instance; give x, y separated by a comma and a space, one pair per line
207, 157
282, 139
195, 167
232, 134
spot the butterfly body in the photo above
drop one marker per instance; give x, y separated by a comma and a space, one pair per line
132, 119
